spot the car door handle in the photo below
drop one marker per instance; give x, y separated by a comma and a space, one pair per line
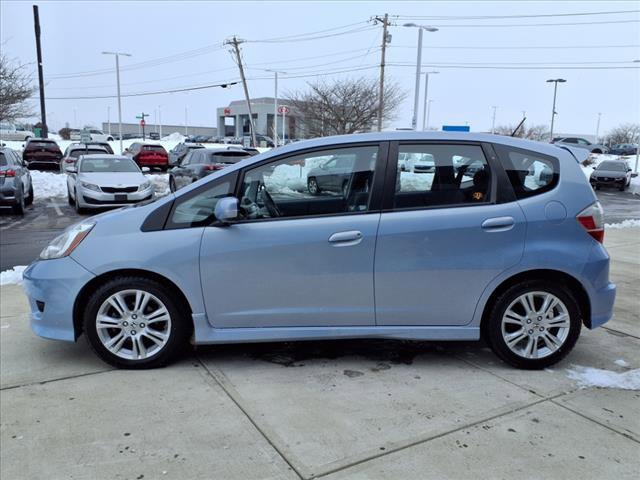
352, 237
498, 224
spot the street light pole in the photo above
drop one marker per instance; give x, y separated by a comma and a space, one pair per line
493, 121
428, 112
117, 55
598, 127
553, 110
416, 95
425, 123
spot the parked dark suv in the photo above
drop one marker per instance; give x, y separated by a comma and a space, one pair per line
612, 173
42, 152
201, 162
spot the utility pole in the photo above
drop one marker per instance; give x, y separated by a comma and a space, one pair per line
386, 38
425, 123
43, 112
186, 122
493, 122
598, 127
428, 112
109, 119
160, 119
236, 46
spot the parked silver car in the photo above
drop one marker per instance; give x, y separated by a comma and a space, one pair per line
16, 189
580, 143
98, 181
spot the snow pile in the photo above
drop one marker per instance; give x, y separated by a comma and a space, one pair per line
13, 276
629, 223
292, 178
160, 184
595, 377
48, 184
415, 182
635, 185
174, 137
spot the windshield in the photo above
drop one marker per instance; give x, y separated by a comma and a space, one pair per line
612, 166
42, 144
230, 157
153, 148
106, 164
86, 151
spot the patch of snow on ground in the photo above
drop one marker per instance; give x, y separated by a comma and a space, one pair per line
595, 377
174, 137
629, 223
48, 184
12, 276
635, 185
621, 363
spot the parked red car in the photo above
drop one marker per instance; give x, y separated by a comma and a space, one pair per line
149, 155
41, 152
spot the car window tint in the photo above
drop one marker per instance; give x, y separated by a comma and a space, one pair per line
196, 209
227, 158
439, 175
530, 173
3, 160
85, 151
316, 183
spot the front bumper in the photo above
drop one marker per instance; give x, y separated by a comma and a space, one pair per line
52, 287
608, 181
93, 199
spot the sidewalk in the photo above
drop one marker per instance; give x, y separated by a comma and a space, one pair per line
339, 410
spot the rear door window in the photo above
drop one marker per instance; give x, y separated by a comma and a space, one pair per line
530, 173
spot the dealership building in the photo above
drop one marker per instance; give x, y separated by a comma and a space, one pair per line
233, 120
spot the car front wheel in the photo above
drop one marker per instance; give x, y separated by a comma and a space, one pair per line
134, 322
312, 186
534, 324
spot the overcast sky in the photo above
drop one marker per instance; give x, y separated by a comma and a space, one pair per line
75, 33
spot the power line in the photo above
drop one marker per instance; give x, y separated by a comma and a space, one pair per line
495, 17
317, 32
505, 67
566, 24
526, 47
319, 37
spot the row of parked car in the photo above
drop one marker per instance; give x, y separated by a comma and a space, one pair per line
583, 143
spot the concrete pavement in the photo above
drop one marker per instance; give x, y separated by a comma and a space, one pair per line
344, 409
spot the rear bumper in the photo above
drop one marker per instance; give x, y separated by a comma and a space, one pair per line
601, 291
52, 287
153, 162
8, 194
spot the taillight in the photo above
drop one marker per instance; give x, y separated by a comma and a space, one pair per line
8, 173
216, 166
592, 219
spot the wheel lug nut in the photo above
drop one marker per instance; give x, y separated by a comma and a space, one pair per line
539, 318
124, 324
142, 325
542, 329
134, 316
530, 332
133, 332
528, 320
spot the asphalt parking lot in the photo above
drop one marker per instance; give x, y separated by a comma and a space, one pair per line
336, 410
22, 238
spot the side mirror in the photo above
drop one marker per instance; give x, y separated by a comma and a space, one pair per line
226, 210
146, 169
634, 174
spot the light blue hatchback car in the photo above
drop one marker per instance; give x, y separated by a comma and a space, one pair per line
502, 238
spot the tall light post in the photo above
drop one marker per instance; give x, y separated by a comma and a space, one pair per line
425, 123
598, 127
555, 81
275, 108
416, 98
428, 112
493, 121
160, 119
117, 55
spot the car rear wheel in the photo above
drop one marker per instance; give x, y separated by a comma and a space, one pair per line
312, 186
134, 322
534, 324
172, 184
18, 208
29, 200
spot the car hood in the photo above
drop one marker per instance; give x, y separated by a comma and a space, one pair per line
113, 179
608, 173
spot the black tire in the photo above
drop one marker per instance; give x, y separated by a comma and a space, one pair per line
110, 139
597, 150
312, 186
493, 328
76, 204
29, 199
69, 199
597, 187
18, 208
623, 187
178, 333
345, 188
172, 184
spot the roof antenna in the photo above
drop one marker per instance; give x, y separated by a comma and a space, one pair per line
513, 134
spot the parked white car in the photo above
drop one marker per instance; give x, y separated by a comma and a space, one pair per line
96, 135
98, 181
9, 131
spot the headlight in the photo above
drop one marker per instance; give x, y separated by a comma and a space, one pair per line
64, 244
90, 186
144, 186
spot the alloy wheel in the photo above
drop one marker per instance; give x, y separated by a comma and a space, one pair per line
133, 324
535, 325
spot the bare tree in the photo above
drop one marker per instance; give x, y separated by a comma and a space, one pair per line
15, 90
344, 106
534, 132
625, 133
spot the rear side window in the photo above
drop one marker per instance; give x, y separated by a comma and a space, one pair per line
433, 175
226, 158
3, 160
530, 173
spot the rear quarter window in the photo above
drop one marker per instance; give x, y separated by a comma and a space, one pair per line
530, 173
